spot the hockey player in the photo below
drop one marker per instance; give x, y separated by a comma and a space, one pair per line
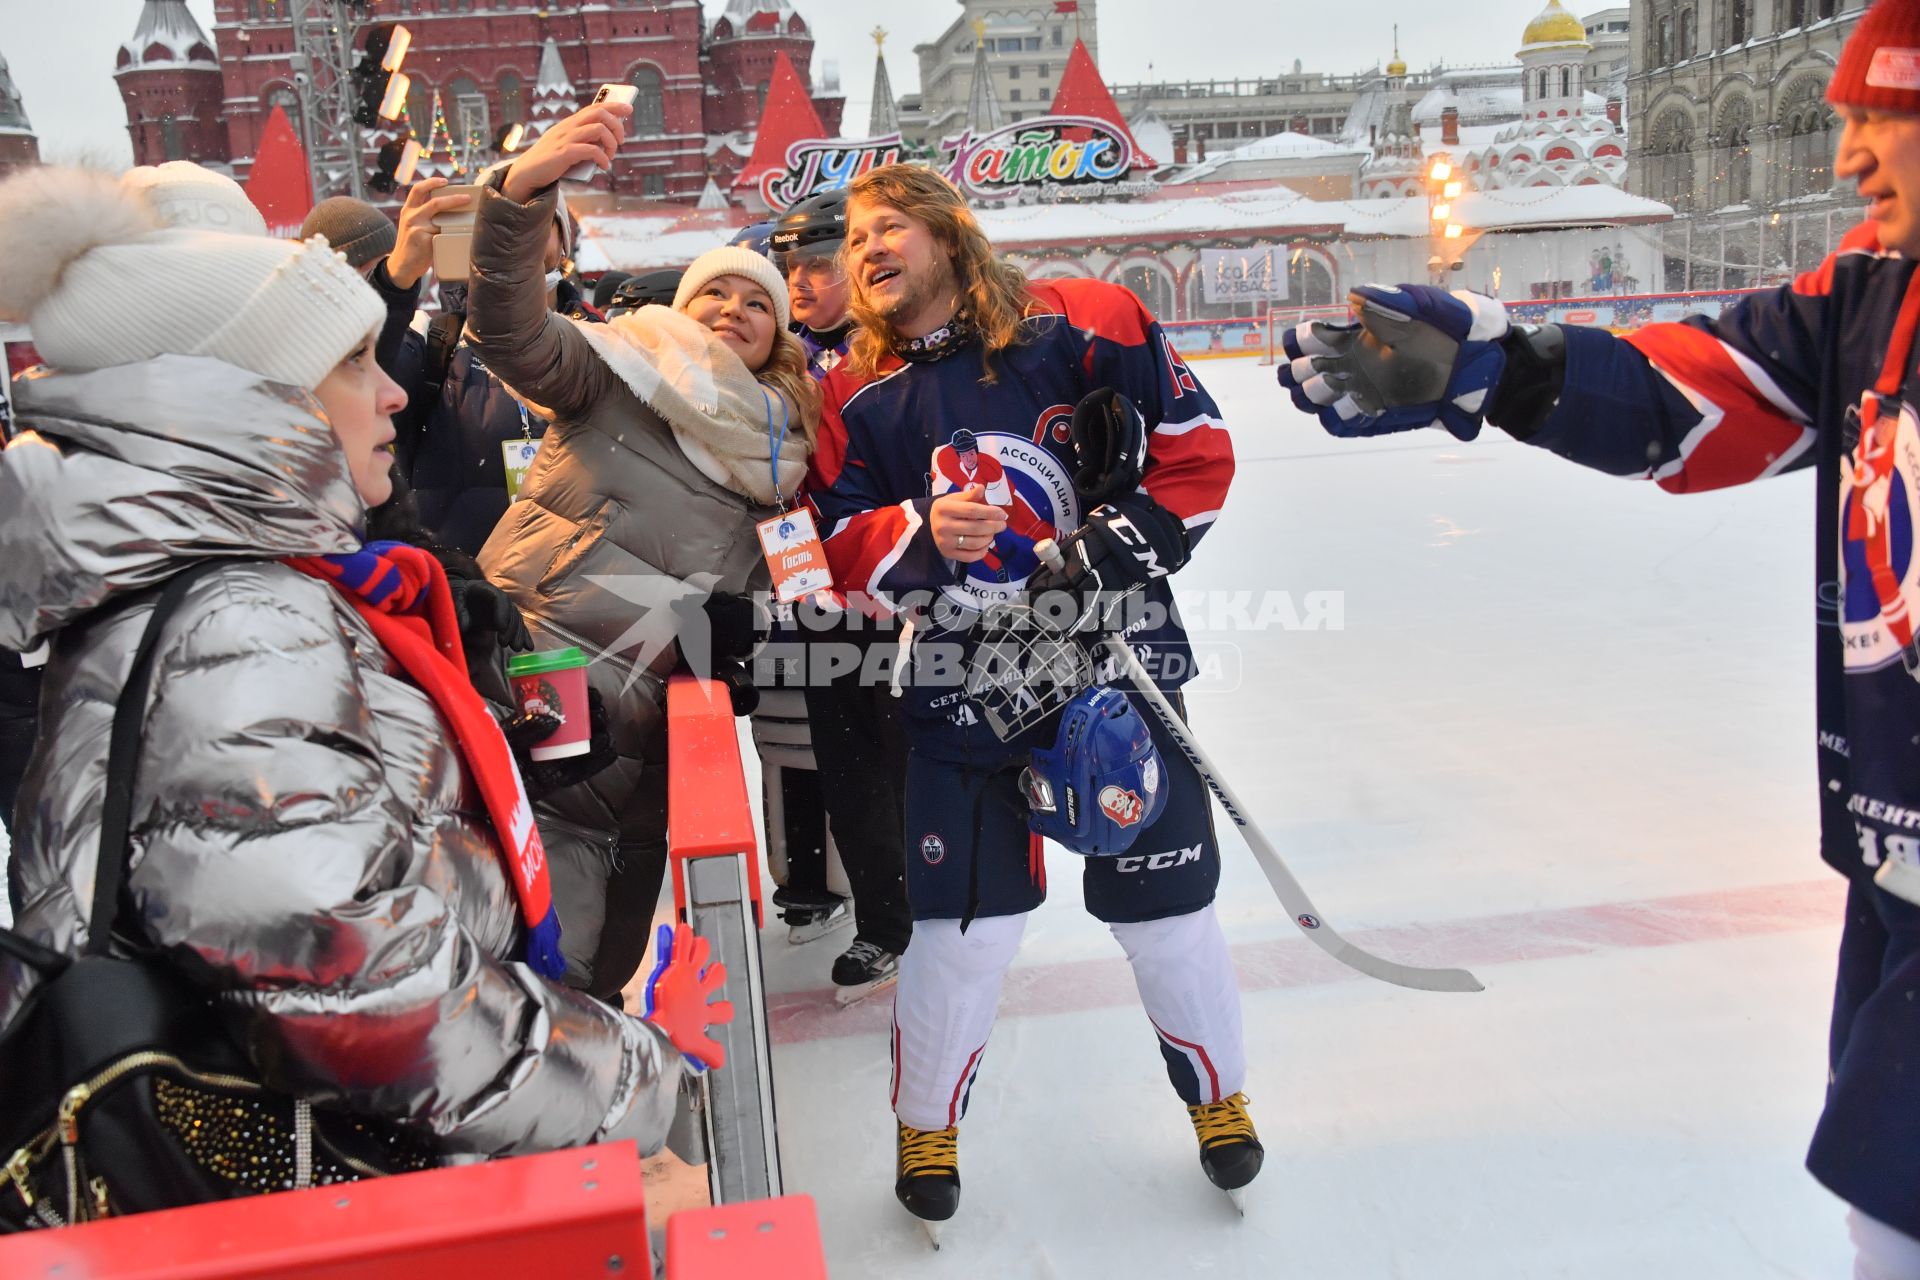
1816, 374
805, 245
952, 340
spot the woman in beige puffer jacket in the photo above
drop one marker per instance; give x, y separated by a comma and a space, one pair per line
676, 430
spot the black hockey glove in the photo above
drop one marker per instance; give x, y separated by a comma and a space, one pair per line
487, 617
544, 777
1109, 446
1123, 545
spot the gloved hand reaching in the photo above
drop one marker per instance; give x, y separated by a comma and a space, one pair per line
680, 995
1416, 357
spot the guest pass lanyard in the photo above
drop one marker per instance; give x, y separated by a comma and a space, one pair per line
519, 454
789, 541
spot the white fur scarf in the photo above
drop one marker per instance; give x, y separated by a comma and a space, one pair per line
719, 412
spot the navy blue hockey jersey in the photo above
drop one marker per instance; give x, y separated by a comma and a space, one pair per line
886, 451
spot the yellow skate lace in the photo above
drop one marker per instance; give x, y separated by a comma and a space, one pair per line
1223, 1121
929, 1151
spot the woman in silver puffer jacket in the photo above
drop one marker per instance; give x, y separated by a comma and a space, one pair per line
307, 843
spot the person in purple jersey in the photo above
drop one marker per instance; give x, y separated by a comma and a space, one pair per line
1820, 374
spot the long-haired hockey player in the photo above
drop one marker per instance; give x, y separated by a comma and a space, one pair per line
956, 351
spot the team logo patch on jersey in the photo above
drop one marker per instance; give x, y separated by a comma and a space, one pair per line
933, 849
1124, 806
1021, 477
1879, 573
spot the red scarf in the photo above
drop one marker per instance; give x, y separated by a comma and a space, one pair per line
402, 593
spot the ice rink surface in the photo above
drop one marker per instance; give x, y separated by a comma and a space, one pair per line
1563, 735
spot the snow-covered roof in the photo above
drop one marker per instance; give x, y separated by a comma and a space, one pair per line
1477, 104
1302, 151
712, 199
169, 33
741, 10
632, 241
552, 75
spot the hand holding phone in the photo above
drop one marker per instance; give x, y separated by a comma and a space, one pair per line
575, 147
624, 94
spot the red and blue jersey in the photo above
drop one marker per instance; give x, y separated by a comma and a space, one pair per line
887, 449
1774, 384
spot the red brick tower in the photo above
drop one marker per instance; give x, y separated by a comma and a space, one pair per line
169, 77
741, 51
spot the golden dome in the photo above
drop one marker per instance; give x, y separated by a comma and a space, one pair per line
1396, 67
1554, 26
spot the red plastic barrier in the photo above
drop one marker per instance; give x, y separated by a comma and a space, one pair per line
569, 1213
753, 1241
707, 809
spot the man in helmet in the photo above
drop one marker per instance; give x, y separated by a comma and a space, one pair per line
806, 247
854, 723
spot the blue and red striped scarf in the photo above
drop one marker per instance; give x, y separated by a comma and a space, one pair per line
402, 593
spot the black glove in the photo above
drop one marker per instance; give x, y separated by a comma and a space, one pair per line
741, 690
1109, 446
735, 626
486, 616
544, 777
1123, 545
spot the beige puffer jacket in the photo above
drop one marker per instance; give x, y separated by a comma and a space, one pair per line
618, 533
306, 841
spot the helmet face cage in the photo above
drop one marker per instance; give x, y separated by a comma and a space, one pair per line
1024, 671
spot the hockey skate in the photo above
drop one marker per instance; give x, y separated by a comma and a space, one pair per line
1230, 1150
863, 970
811, 915
929, 1181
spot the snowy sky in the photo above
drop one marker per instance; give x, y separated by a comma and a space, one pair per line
63, 65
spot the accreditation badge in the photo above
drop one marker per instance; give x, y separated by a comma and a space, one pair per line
794, 555
519, 456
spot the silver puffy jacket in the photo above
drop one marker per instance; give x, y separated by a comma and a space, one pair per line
306, 840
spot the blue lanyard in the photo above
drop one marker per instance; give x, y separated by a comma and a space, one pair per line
774, 443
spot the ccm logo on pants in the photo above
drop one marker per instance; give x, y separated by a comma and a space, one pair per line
1157, 861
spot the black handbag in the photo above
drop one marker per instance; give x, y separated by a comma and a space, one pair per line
123, 1089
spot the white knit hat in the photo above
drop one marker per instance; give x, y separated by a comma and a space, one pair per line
188, 196
735, 260
102, 282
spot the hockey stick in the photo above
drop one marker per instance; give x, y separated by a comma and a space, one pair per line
1291, 895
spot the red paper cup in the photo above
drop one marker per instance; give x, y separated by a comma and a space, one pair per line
555, 683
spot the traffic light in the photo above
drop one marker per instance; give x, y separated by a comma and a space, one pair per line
380, 86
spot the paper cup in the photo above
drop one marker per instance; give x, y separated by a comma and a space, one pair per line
555, 683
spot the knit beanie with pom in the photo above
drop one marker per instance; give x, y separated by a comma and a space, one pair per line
101, 280
1879, 68
185, 195
735, 260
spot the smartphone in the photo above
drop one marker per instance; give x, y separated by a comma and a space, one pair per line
458, 219
452, 255
621, 93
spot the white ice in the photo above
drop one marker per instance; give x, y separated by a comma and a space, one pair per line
1553, 690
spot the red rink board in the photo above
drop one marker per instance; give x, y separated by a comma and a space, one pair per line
571, 1213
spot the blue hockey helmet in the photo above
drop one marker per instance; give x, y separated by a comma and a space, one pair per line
757, 236
1102, 783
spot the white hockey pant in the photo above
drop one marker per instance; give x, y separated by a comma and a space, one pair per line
949, 992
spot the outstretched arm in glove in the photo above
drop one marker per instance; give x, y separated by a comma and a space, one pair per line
1418, 356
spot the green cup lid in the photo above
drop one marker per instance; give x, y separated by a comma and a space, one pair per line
538, 664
